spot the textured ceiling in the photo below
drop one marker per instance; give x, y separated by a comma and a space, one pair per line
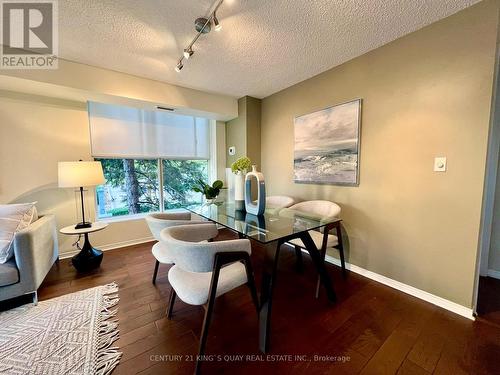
264, 47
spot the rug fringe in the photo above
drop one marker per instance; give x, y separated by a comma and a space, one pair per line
110, 288
108, 357
107, 361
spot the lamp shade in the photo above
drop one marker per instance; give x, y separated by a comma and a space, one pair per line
80, 173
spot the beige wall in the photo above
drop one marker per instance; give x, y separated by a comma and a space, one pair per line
83, 82
36, 133
236, 133
254, 130
244, 131
425, 95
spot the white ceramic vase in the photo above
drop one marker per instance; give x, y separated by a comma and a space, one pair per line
239, 190
258, 207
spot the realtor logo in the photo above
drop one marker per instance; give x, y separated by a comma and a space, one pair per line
29, 34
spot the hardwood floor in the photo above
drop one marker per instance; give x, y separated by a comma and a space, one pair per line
488, 303
372, 329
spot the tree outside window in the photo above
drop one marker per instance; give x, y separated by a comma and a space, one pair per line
179, 176
133, 185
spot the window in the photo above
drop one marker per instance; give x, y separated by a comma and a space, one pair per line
133, 186
179, 176
151, 159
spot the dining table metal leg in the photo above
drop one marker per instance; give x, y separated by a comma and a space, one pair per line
319, 263
272, 252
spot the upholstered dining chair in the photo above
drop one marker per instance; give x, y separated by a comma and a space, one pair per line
159, 221
323, 210
279, 201
206, 270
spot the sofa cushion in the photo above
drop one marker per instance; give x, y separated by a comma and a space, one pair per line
13, 218
8, 273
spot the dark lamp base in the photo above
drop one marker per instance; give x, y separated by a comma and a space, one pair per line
88, 258
83, 225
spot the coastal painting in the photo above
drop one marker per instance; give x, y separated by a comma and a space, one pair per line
327, 145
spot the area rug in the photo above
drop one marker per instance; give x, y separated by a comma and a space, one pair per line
72, 334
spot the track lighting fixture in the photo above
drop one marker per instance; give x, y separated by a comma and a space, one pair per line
202, 25
217, 25
188, 52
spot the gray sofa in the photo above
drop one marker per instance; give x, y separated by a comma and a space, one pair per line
35, 251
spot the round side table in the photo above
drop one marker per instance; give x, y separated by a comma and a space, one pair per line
88, 258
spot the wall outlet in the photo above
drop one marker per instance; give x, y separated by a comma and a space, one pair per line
232, 150
440, 164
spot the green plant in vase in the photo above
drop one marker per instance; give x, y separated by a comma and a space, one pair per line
211, 192
242, 165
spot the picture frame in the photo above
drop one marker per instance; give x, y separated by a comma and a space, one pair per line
327, 145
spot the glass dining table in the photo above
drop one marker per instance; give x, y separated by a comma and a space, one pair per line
271, 229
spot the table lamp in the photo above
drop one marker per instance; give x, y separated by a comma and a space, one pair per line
80, 174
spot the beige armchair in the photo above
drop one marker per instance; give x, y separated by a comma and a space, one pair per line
325, 240
159, 221
275, 203
279, 201
206, 270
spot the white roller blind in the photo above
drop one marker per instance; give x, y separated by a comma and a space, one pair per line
125, 132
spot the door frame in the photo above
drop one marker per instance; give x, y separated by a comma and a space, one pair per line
490, 182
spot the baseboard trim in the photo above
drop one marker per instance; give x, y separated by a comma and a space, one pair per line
408, 289
113, 246
493, 273
405, 288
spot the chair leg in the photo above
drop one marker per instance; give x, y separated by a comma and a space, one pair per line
208, 317
341, 251
318, 282
299, 264
155, 272
342, 262
171, 301
35, 298
251, 284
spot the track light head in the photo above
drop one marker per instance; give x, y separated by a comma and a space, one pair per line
202, 25
217, 25
188, 52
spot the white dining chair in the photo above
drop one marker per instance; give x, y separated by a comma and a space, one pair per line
206, 270
159, 221
325, 211
279, 201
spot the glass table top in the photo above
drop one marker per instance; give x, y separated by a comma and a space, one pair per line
273, 225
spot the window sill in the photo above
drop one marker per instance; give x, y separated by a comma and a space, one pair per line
118, 219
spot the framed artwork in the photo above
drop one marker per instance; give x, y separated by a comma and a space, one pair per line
327, 145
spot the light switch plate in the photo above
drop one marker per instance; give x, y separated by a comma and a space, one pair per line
440, 164
232, 150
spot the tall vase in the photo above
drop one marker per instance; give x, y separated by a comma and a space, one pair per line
259, 206
239, 191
